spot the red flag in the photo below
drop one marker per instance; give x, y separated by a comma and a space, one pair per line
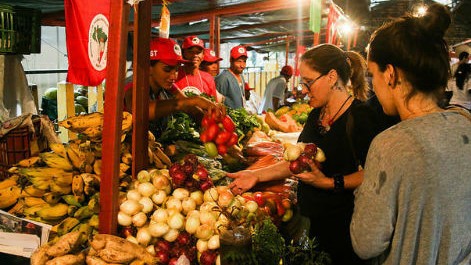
86, 27
331, 29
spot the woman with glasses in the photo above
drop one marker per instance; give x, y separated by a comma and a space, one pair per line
325, 195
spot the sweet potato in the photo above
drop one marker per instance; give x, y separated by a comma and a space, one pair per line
68, 259
112, 255
65, 244
39, 256
93, 260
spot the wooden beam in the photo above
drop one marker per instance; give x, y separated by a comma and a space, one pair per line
113, 116
140, 88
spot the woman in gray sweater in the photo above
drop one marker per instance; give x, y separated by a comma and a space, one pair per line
414, 205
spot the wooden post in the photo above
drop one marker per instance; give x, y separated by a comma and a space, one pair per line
65, 108
140, 88
113, 116
316, 40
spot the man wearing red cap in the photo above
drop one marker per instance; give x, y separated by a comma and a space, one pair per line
190, 78
274, 94
230, 82
210, 62
165, 98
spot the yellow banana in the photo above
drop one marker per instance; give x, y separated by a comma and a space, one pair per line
56, 161
126, 158
33, 201
77, 185
52, 197
64, 180
73, 153
17, 209
31, 211
97, 167
53, 212
11, 181
60, 189
30, 190
58, 149
162, 156
72, 209
157, 162
28, 162
94, 221
94, 203
46, 173
9, 196
81, 122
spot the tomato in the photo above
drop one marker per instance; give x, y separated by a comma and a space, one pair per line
233, 140
212, 131
222, 149
211, 149
206, 121
228, 123
223, 137
259, 199
204, 136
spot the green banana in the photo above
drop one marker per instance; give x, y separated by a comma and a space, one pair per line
53, 212
72, 209
66, 225
63, 180
83, 213
31, 211
71, 200
94, 221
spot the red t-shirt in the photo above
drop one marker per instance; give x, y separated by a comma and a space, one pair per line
202, 82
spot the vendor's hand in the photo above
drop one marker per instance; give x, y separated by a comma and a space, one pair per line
314, 178
243, 181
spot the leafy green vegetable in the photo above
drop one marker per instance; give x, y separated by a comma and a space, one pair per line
267, 243
180, 126
308, 254
244, 121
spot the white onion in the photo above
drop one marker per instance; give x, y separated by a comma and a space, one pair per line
160, 215
174, 203
133, 195
207, 218
147, 204
176, 221
201, 245
132, 239
165, 172
207, 206
180, 193
220, 226
213, 242
143, 176
151, 249
188, 205
171, 235
146, 189
139, 219
194, 213
159, 197
143, 236
204, 232
192, 223
211, 195
124, 219
225, 198
197, 196
160, 181
252, 206
158, 229
168, 189
130, 207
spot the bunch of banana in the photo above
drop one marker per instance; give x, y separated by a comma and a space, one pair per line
91, 183
158, 157
28, 162
55, 160
45, 178
11, 181
58, 149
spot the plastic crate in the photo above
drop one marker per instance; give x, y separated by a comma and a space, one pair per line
20, 30
16, 146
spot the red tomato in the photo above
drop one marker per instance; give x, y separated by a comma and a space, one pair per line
206, 121
223, 137
204, 136
222, 149
228, 123
212, 131
233, 140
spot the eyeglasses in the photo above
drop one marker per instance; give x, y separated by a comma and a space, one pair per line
308, 85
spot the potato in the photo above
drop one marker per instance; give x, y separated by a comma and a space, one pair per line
68, 259
39, 256
64, 245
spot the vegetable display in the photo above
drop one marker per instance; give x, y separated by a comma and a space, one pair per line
218, 134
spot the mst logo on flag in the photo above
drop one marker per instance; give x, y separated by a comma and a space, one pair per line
87, 40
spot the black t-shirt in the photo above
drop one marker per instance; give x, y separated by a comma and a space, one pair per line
330, 212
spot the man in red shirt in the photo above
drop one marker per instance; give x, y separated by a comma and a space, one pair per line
190, 78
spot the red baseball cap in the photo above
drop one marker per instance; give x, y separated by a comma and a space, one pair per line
191, 41
166, 51
287, 70
238, 51
210, 56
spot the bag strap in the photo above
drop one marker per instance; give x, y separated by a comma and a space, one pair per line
460, 110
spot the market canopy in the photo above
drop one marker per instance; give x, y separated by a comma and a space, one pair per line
267, 25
